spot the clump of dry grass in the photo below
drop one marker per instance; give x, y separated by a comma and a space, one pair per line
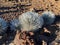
48, 17
14, 24
3, 26
30, 21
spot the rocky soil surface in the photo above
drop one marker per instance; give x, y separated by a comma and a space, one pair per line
42, 37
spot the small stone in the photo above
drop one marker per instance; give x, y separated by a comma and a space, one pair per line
0, 37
